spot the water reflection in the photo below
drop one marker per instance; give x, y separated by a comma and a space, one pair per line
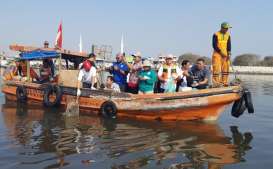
47, 139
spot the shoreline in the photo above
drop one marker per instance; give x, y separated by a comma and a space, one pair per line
252, 70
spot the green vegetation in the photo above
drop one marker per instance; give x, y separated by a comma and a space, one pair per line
268, 61
252, 60
192, 58
247, 60
240, 60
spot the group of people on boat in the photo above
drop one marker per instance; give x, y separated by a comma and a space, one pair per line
143, 77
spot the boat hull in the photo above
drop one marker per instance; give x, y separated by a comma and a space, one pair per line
195, 105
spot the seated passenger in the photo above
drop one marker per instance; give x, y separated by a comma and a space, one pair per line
185, 77
45, 72
168, 74
22, 70
200, 75
87, 75
111, 85
147, 79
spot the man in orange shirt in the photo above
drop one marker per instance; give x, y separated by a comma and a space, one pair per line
221, 56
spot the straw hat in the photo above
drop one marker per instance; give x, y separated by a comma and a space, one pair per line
137, 54
169, 56
147, 63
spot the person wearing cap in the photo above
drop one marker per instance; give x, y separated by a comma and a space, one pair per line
135, 68
92, 59
221, 43
46, 44
147, 78
174, 59
120, 70
168, 74
87, 77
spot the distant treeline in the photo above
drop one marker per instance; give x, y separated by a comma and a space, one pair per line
240, 60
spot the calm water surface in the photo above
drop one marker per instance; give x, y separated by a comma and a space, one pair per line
39, 138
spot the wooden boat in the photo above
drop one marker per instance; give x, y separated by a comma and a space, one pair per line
204, 104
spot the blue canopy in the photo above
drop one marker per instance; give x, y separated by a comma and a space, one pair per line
38, 54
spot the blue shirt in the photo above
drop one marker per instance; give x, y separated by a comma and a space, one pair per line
199, 75
120, 78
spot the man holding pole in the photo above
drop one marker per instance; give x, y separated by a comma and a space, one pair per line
221, 56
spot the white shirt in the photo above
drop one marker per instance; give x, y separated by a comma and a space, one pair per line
87, 76
184, 82
169, 77
115, 87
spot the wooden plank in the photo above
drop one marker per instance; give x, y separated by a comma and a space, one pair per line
68, 78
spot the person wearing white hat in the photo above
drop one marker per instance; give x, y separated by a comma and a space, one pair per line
147, 79
168, 74
135, 68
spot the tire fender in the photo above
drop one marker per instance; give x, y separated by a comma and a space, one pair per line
248, 101
21, 94
108, 109
49, 90
238, 107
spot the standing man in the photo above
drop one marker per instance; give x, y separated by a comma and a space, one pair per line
221, 56
87, 76
120, 70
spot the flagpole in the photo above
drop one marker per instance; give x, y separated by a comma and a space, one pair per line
80, 44
122, 44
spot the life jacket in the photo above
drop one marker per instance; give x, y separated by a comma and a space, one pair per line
165, 71
222, 41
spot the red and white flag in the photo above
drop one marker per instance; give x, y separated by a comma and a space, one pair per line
59, 38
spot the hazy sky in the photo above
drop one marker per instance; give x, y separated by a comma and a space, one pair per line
151, 26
